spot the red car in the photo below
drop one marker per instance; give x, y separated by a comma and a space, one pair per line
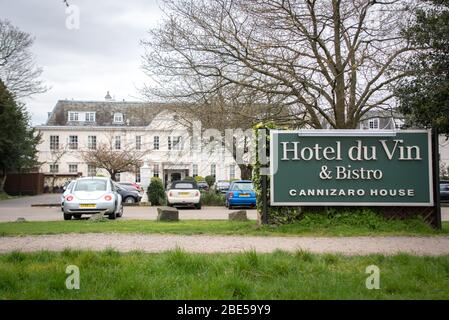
131, 184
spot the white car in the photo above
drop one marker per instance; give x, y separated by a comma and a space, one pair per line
184, 193
92, 195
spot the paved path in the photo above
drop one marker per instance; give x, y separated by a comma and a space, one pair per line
130, 213
209, 244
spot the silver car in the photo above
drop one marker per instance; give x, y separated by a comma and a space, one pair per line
67, 189
90, 196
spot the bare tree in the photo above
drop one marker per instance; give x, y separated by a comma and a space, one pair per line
17, 67
55, 156
113, 157
330, 62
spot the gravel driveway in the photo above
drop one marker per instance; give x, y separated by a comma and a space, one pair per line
209, 244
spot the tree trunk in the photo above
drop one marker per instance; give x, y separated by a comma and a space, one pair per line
246, 171
3, 181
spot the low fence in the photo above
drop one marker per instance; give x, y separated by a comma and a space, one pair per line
24, 184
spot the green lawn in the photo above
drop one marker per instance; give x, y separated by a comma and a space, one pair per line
187, 227
5, 196
180, 275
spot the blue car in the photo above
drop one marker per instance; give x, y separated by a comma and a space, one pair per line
241, 194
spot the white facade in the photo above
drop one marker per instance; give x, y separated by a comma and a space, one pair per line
62, 145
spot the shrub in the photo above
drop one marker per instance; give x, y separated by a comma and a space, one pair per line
212, 199
189, 178
210, 180
156, 193
199, 178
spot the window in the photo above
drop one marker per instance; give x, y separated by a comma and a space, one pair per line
73, 116
373, 123
138, 142
73, 168
195, 170
174, 143
156, 142
213, 170
92, 142
73, 142
118, 117
91, 170
138, 178
156, 170
117, 177
90, 117
54, 168
54, 142
91, 185
118, 143
232, 172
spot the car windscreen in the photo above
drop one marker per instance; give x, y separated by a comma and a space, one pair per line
242, 186
183, 185
223, 184
91, 185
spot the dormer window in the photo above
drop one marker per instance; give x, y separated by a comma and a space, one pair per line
373, 123
90, 116
118, 117
73, 116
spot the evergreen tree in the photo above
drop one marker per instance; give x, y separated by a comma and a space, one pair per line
18, 141
424, 97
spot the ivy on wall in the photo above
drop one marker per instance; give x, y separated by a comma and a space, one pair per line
276, 215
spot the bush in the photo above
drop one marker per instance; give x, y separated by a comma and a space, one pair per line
199, 178
156, 193
210, 180
189, 178
212, 199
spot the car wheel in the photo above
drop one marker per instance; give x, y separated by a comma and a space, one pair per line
67, 216
77, 216
112, 216
120, 213
130, 200
198, 206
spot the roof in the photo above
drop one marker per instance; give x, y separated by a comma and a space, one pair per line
135, 114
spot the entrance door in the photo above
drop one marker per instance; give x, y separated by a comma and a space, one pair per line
175, 176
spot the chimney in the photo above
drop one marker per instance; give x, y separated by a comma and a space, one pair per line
108, 97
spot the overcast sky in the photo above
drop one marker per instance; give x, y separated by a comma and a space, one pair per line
103, 54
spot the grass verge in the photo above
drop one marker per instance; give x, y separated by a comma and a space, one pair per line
5, 196
179, 275
311, 225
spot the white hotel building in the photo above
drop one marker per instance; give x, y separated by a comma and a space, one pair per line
76, 126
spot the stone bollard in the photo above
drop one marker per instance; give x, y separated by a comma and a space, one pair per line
167, 214
238, 215
98, 216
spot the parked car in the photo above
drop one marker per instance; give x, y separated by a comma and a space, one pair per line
241, 193
444, 191
129, 193
134, 185
92, 195
202, 185
183, 193
67, 189
222, 186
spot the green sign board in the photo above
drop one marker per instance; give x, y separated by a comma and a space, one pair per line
351, 168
